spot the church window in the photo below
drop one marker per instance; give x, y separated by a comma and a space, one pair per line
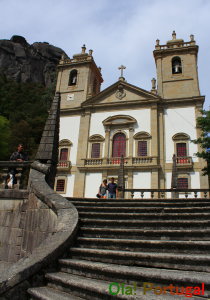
64, 154
181, 149
95, 153
142, 148
182, 183
60, 185
73, 77
176, 65
119, 145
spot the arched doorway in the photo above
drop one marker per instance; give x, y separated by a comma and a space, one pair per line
119, 145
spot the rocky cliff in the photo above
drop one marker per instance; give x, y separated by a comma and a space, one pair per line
23, 62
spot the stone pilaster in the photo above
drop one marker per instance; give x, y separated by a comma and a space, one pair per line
154, 181
130, 142
107, 143
82, 150
161, 146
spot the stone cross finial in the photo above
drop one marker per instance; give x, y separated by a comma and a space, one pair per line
192, 37
122, 68
153, 83
174, 35
157, 42
83, 48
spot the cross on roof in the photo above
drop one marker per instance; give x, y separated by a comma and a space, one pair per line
122, 68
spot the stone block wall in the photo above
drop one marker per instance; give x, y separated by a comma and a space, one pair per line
24, 224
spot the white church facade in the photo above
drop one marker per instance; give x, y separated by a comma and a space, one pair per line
146, 127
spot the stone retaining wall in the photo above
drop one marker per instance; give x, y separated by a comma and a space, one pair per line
49, 226
24, 224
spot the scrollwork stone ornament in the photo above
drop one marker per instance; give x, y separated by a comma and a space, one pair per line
120, 93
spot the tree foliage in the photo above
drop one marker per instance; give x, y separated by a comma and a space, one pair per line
4, 137
203, 122
25, 106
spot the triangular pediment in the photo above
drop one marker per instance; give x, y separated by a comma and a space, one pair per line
121, 92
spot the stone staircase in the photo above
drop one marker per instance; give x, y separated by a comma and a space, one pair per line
141, 245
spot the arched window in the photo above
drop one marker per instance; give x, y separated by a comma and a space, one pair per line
176, 65
73, 77
119, 145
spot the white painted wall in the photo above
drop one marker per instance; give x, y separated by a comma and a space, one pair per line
142, 180
92, 183
180, 120
69, 129
69, 185
142, 116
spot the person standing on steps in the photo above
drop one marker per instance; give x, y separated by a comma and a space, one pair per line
103, 189
112, 189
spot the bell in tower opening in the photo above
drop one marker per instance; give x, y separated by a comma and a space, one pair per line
176, 65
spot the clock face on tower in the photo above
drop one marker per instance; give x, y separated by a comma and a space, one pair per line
70, 97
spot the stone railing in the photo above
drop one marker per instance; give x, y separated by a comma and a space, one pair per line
43, 248
64, 165
168, 193
20, 173
175, 45
144, 160
140, 160
93, 161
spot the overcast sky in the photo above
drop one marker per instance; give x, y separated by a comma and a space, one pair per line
119, 31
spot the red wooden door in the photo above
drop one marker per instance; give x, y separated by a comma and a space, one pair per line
119, 145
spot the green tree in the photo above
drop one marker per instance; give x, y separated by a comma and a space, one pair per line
26, 106
4, 138
203, 122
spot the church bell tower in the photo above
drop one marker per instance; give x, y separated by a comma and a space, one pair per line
176, 64
78, 79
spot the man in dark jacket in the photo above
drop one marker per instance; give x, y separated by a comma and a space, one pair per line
112, 189
18, 156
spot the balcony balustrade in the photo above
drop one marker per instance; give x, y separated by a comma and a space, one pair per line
184, 161
64, 165
115, 161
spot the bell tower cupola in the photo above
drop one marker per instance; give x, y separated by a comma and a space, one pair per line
176, 65
78, 79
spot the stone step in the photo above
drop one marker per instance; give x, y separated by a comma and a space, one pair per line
166, 234
132, 203
103, 209
130, 274
95, 289
144, 216
201, 247
47, 293
177, 261
138, 200
146, 224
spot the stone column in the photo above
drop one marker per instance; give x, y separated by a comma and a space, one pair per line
82, 150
